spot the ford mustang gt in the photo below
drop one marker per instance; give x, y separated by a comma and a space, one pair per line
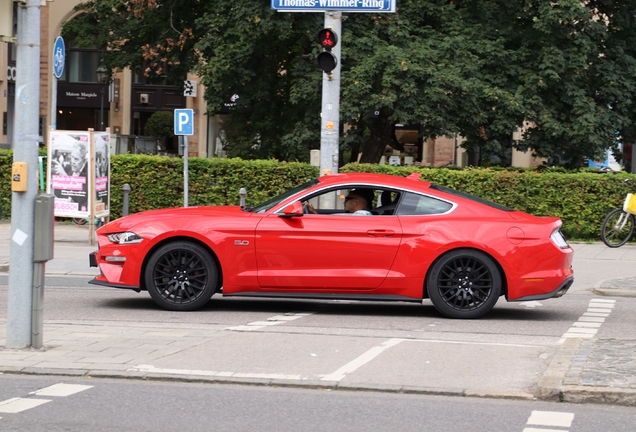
421, 241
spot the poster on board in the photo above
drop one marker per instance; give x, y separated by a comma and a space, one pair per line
69, 172
101, 158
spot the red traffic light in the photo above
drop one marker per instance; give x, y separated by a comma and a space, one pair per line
327, 38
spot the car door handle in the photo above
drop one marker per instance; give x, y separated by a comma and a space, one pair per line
380, 233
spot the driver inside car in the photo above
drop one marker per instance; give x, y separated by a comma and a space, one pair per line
357, 202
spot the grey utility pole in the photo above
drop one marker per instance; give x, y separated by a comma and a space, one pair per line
330, 121
25, 158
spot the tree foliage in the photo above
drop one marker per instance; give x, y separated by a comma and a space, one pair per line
160, 124
564, 71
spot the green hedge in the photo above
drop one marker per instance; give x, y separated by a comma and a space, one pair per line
580, 199
157, 182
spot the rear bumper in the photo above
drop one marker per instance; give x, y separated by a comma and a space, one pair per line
560, 291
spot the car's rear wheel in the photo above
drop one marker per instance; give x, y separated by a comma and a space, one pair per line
181, 276
464, 284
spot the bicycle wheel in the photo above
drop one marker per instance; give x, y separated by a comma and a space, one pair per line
80, 221
617, 228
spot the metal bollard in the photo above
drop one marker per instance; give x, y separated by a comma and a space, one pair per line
243, 194
124, 211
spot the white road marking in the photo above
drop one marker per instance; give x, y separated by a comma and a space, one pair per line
598, 310
590, 322
531, 304
16, 405
278, 319
592, 319
543, 430
61, 390
599, 304
365, 358
582, 330
551, 418
579, 323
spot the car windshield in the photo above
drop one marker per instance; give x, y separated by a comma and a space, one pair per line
470, 197
263, 207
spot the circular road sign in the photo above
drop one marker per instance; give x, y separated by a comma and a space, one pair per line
58, 57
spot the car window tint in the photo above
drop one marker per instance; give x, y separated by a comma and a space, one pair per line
414, 204
470, 197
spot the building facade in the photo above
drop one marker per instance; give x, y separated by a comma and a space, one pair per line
79, 101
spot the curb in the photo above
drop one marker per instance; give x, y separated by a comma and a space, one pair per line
550, 386
300, 384
614, 292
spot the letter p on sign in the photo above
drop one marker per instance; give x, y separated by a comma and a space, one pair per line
184, 122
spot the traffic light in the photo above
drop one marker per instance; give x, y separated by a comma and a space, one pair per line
326, 60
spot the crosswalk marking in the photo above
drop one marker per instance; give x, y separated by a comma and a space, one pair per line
549, 419
16, 405
61, 390
272, 321
589, 323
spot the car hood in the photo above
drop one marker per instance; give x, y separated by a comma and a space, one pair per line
129, 222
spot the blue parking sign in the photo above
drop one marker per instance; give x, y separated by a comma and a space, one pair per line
184, 122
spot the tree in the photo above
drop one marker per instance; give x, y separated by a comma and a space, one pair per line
563, 70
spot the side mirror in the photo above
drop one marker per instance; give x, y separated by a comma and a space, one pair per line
293, 210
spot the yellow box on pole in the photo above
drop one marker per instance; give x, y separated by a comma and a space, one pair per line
19, 177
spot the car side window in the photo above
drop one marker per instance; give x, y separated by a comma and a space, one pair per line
414, 204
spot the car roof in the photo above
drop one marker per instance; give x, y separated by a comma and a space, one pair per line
410, 182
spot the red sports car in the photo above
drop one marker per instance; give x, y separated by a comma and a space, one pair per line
416, 240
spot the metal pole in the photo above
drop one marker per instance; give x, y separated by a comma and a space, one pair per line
330, 122
101, 112
38, 305
25, 141
185, 170
54, 103
124, 210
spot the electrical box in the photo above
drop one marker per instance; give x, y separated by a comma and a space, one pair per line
43, 229
19, 177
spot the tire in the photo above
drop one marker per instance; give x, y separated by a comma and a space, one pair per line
181, 276
611, 232
464, 284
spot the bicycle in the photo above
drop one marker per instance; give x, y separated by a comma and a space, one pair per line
619, 224
83, 221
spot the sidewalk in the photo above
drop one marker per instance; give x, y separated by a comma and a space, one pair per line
587, 369
70, 252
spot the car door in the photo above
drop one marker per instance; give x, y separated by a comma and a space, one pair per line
326, 251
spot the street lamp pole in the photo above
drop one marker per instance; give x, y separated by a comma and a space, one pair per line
101, 73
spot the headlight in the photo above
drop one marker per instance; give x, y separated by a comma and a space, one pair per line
125, 238
558, 239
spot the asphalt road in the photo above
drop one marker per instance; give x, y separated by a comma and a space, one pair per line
104, 405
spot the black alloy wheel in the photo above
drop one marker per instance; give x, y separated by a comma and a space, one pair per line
181, 276
464, 283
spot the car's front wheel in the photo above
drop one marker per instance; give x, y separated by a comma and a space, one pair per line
464, 284
181, 276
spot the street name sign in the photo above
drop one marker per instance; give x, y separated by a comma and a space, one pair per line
184, 122
334, 5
